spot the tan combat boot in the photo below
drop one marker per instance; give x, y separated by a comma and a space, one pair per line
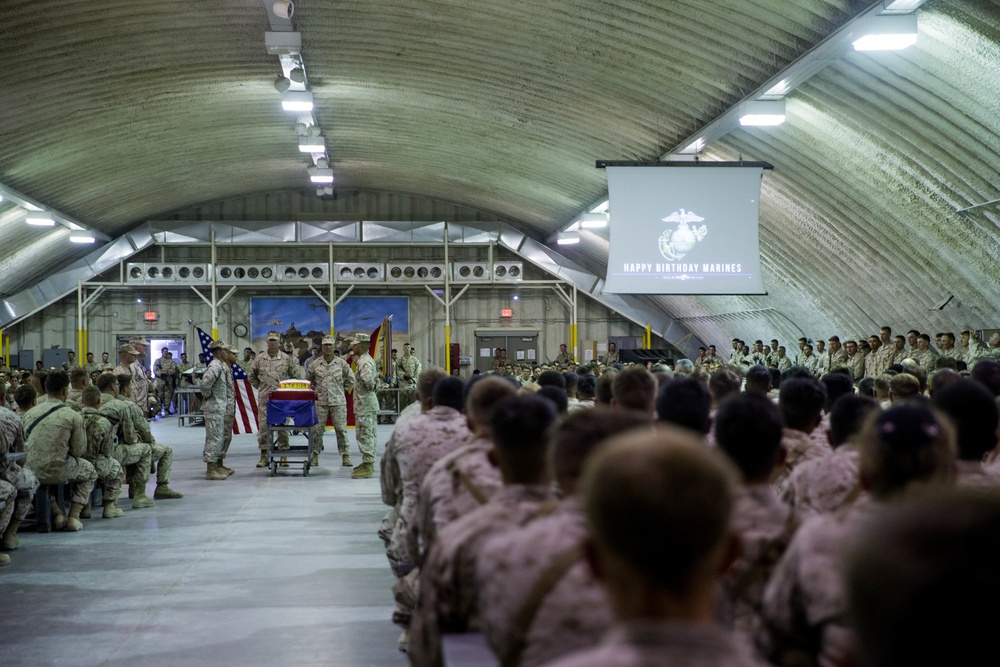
345, 460
9, 542
4, 560
363, 471
139, 497
164, 492
315, 459
283, 462
214, 472
112, 511
263, 459
58, 518
85, 512
224, 468
73, 520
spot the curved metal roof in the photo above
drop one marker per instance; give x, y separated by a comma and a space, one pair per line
116, 113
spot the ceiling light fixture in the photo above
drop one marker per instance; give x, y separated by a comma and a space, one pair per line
284, 9
763, 112
297, 100
298, 75
900, 6
594, 220
322, 176
886, 33
312, 144
568, 238
82, 237
40, 220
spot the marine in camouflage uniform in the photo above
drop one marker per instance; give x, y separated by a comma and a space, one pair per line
330, 377
56, 442
129, 451
21, 478
448, 594
407, 371
162, 456
799, 447
139, 390
216, 388
100, 452
8, 499
365, 407
824, 485
571, 616
267, 371
167, 374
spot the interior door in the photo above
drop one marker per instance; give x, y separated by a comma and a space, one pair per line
486, 346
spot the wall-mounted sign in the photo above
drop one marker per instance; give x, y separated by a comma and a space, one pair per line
506, 313
150, 316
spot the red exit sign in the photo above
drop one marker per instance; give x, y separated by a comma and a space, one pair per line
150, 315
506, 313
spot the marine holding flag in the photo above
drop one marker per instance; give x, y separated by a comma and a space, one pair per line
217, 394
245, 412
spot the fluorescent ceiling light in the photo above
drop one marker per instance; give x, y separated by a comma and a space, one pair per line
40, 220
312, 144
886, 33
594, 220
1, 197
32, 207
779, 89
82, 237
602, 207
568, 238
900, 6
322, 176
695, 146
297, 100
766, 112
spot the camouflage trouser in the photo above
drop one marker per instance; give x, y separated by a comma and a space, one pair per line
263, 431
364, 431
110, 475
339, 415
163, 458
81, 473
139, 456
8, 497
214, 431
26, 484
405, 591
227, 433
407, 394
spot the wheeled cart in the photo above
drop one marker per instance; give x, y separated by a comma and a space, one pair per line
292, 411
295, 454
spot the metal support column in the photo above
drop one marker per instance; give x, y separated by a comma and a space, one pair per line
447, 305
215, 295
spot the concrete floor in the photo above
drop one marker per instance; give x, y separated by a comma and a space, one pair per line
254, 570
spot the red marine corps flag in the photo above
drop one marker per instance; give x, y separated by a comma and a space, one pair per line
246, 396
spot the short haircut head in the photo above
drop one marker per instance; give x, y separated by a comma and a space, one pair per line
925, 572
758, 380
447, 392
91, 396
942, 378
572, 380
522, 431
553, 378
578, 435
748, 429
848, 416
587, 386
801, 401
722, 384
973, 411
24, 396
685, 402
556, 396
904, 386
77, 374
987, 373
124, 381
482, 398
904, 445
602, 392
661, 502
105, 380
945, 363
56, 381
837, 385
635, 388
867, 387
426, 381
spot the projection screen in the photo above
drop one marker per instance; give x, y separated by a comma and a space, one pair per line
684, 229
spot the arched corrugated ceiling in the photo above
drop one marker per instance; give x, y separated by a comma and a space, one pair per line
115, 113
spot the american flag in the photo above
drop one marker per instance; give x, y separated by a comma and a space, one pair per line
246, 396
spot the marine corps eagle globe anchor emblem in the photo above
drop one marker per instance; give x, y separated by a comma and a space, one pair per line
675, 243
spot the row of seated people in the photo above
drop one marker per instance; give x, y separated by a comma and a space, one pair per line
82, 435
674, 523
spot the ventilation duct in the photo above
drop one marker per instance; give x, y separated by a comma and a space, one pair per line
470, 272
359, 272
314, 272
415, 272
235, 274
